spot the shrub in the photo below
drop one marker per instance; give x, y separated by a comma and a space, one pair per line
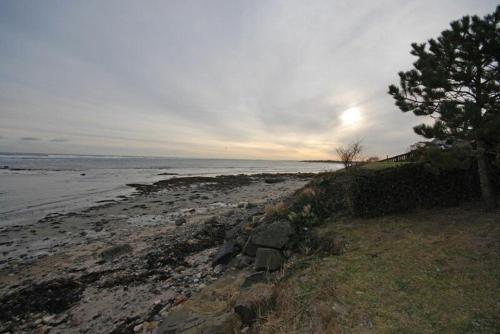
369, 193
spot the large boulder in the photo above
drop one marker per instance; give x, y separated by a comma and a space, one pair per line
268, 259
274, 235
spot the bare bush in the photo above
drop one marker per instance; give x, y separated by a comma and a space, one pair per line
350, 154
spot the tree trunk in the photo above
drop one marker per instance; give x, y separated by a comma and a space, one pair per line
487, 192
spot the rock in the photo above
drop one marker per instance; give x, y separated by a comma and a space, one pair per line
274, 180
243, 261
53, 320
235, 231
254, 302
268, 259
250, 248
252, 279
241, 241
179, 299
212, 220
274, 235
114, 251
47, 319
187, 322
180, 221
225, 252
218, 269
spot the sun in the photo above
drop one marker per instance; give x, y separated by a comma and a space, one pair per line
351, 116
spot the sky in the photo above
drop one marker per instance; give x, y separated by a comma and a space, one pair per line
256, 79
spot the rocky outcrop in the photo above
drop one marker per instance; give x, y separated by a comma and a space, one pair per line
268, 259
275, 235
266, 243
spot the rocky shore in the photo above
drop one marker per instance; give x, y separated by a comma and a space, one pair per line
142, 263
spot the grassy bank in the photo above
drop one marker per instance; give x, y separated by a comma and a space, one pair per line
430, 271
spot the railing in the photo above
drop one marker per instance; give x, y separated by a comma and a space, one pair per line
401, 157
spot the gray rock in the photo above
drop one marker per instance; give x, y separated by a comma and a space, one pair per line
212, 220
268, 259
180, 221
258, 277
271, 180
225, 252
114, 251
243, 261
250, 248
274, 235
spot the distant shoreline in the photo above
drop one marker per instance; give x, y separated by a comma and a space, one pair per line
323, 161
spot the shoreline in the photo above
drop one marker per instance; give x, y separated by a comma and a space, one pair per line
151, 249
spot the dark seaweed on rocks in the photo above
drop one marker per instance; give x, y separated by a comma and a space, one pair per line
52, 296
173, 253
215, 183
218, 182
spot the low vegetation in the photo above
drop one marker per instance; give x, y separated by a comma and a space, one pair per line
379, 165
369, 192
431, 271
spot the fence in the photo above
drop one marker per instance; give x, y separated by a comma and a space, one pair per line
401, 157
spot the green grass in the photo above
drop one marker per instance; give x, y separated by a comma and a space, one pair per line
435, 271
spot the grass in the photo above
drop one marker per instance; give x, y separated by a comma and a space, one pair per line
434, 271
379, 165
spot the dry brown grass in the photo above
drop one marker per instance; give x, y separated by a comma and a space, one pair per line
435, 271
280, 210
217, 298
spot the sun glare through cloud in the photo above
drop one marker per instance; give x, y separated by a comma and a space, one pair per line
351, 117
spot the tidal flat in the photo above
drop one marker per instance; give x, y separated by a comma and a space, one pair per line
128, 260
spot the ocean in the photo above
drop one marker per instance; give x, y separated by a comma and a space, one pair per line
34, 185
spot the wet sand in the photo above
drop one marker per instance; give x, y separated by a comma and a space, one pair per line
100, 269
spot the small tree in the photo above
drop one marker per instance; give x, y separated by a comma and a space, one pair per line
456, 81
349, 154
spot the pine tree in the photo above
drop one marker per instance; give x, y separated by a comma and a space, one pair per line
456, 82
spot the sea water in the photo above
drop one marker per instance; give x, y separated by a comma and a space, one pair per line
34, 185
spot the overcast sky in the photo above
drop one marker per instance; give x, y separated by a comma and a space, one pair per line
225, 79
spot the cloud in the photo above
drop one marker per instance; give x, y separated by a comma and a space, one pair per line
213, 79
29, 139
